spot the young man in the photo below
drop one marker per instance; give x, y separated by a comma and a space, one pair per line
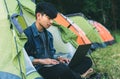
41, 50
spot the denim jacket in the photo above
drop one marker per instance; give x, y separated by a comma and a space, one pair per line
35, 45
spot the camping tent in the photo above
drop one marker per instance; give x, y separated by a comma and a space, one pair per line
81, 39
14, 63
89, 30
103, 32
82, 28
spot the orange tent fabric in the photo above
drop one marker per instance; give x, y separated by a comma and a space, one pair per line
103, 32
62, 20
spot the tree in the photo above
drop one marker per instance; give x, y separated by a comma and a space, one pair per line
103, 11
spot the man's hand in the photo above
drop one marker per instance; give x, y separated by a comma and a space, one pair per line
63, 60
48, 61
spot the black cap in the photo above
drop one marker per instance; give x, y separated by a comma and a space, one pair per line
47, 8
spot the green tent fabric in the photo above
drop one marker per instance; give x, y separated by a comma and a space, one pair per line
67, 35
28, 11
10, 63
90, 32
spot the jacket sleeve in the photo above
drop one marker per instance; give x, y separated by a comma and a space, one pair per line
29, 47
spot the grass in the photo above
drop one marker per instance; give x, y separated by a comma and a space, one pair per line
107, 59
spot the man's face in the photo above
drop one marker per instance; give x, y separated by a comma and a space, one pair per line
44, 20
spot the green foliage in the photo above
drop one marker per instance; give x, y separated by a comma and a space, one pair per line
90, 6
104, 11
116, 35
107, 60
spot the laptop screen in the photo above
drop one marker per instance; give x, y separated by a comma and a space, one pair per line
81, 52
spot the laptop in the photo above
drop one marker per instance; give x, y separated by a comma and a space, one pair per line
81, 52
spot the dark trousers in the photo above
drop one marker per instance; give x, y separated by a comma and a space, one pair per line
62, 71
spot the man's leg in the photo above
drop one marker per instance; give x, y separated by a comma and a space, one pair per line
83, 66
59, 71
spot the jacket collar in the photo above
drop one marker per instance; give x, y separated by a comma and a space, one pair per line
34, 30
